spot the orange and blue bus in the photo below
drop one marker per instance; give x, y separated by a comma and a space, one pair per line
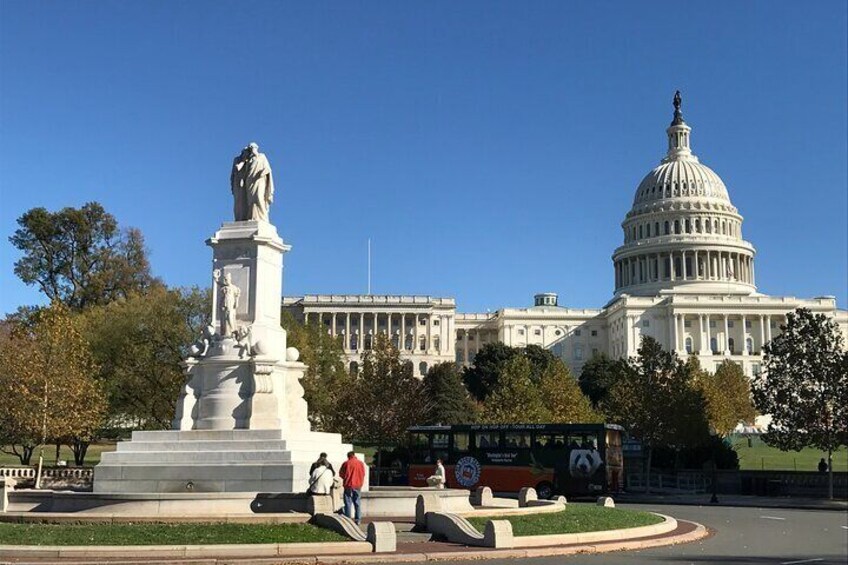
571, 459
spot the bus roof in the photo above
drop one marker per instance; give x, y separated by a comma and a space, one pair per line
518, 427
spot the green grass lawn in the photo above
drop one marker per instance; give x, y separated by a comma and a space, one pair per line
161, 534
576, 518
763, 457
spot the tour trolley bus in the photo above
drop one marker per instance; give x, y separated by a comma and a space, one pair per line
570, 459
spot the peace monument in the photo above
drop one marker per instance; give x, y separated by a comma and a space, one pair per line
241, 420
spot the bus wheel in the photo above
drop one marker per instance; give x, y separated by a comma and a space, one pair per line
544, 490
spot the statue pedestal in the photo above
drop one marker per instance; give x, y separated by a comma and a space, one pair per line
241, 421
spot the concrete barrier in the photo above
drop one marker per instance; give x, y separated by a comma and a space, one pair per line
340, 524
525, 495
482, 497
426, 504
497, 534
382, 537
606, 502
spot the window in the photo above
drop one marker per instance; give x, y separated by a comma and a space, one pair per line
557, 332
537, 332
594, 333
687, 324
354, 367
487, 439
422, 322
649, 230
594, 351
368, 341
666, 228
460, 356
577, 332
520, 332
437, 343
688, 345
712, 323
731, 345
460, 441
640, 232
713, 345
749, 345
646, 323
656, 228
676, 226
353, 342
756, 369
422, 368
517, 439
436, 322
419, 440
578, 353
422, 343
748, 324
730, 323
440, 440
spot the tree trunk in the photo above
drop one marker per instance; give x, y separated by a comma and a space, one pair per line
58, 447
648, 471
830, 473
379, 460
80, 448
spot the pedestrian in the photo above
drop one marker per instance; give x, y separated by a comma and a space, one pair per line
823, 466
321, 478
353, 477
439, 478
322, 460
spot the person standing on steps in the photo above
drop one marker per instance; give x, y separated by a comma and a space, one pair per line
353, 477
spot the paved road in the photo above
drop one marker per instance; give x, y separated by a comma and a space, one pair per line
742, 536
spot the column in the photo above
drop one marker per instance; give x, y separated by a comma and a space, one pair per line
697, 271
709, 334
429, 333
305, 318
402, 340
682, 336
671, 265
347, 331
360, 340
477, 348
389, 326
768, 327
726, 336
672, 329
762, 332
744, 335
683, 264
703, 342
415, 335
465, 355
333, 329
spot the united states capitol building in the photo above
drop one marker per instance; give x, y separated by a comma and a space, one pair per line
684, 275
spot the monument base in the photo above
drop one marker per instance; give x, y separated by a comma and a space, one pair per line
177, 461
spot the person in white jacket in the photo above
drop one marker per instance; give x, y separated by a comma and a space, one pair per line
438, 479
321, 480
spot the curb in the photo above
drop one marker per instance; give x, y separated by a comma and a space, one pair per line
212, 555
707, 504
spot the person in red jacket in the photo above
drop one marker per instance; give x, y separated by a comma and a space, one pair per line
353, 477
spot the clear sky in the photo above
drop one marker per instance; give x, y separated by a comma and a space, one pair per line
490, 150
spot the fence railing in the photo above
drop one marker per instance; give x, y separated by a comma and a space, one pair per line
688, 482
48, 473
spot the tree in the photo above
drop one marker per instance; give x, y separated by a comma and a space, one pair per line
139, 343
727, 394
514, 398
49, 393
804, 385
562, 398
327, 381
449, 400
483, 376
655, 401
386, 398
79, 256
599, 374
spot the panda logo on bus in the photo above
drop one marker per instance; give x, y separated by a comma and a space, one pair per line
467, 471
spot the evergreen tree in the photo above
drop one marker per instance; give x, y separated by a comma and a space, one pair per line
804, 386
481, 377
447, 396
598, 375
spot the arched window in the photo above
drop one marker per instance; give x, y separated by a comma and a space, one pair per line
708, 226
731, 345
422, 343
688, 226
749, 345
354, 342
640, 231
408, 343
354, 367
422, 368
697, 225
368, 342
688, 345
676, 226
656, 228
714, 345
666, 227
648, 227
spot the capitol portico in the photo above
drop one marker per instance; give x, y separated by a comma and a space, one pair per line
683, 275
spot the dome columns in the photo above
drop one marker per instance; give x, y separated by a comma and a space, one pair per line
647, 272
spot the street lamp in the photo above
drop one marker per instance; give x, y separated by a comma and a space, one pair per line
714, 436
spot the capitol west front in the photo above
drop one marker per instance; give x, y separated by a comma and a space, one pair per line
684, 275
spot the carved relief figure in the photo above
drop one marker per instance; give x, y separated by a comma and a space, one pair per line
228, 300
252, 185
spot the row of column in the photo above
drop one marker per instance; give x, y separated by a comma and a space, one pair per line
684, 266
406, 330
677, 333
464, 356
683, 225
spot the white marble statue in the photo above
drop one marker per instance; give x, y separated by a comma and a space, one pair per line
252, 185
229, 300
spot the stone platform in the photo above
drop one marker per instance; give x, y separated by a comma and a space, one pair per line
203, 461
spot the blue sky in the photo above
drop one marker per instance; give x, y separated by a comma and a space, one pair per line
490, 150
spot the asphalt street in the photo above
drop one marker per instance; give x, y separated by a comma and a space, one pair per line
743, 536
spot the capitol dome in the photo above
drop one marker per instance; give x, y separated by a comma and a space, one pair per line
683, 234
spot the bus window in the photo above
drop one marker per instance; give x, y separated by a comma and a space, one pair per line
460, 441
419, 440
590, 441
440, 440
488, 440
517, 439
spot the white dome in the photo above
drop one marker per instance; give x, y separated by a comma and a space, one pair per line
680, 178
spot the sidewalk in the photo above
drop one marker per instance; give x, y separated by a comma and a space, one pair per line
734, 500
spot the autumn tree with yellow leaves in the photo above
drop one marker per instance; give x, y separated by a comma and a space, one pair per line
49, 393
